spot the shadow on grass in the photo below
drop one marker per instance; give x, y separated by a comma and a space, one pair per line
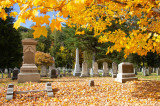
146, 89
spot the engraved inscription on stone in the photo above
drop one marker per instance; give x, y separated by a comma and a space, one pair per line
127, 68
29, 58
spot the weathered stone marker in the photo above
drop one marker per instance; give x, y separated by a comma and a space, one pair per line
43, 71
77, 71
29, 71
15, 73
114, 69
105, 70
53, 73
10, 90
9, 74
91, 82
126, 72
49, 89
84, 70
95, 69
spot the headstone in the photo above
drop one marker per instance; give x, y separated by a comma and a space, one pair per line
154, 70
77, 71
95, 69
15, 73
150, 70
9, 74
43, 71
105, 70
53, 73
158, 71
125, 72
11, 70
145, 72
114, 69
29, 71
49, 89
5, 70
1, 73
91, 83
10, 91
84, 70
51, 67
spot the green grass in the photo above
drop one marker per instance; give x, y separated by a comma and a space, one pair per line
152, 76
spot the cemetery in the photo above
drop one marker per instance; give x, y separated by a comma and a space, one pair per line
80, 53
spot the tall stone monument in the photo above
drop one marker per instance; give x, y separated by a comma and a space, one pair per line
28, 71
125, 72
105, 69
77, 71
85, 72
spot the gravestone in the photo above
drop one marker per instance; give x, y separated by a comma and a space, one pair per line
105, 69
91, 83
29, 71
49, 89
114, 69
95, 69
158, 71
5, 70
125, 72
84, 70
77, 71
43, 71
10, 91
15, 73
53, 73
150, 70
9, 74
1, 73
51, 67
145, 71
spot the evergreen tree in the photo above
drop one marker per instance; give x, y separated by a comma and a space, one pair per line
10, 44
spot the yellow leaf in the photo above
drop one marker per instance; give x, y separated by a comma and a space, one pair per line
13, 14
61, 19
39, 31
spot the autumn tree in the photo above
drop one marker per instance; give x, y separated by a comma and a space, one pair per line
90, 14
42, 58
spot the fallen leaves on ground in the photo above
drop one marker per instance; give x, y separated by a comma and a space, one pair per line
69, 91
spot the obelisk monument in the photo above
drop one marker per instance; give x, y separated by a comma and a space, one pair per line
77, 71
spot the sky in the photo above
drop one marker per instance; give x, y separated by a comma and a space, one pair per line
28, 23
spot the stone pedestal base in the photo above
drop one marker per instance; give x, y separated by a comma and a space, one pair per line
123, 77
114, 75
28, 72
84, 75
77, 74
27, 77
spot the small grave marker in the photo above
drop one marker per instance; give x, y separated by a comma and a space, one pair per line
49, 89
91, 82
9, 95
15, 73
